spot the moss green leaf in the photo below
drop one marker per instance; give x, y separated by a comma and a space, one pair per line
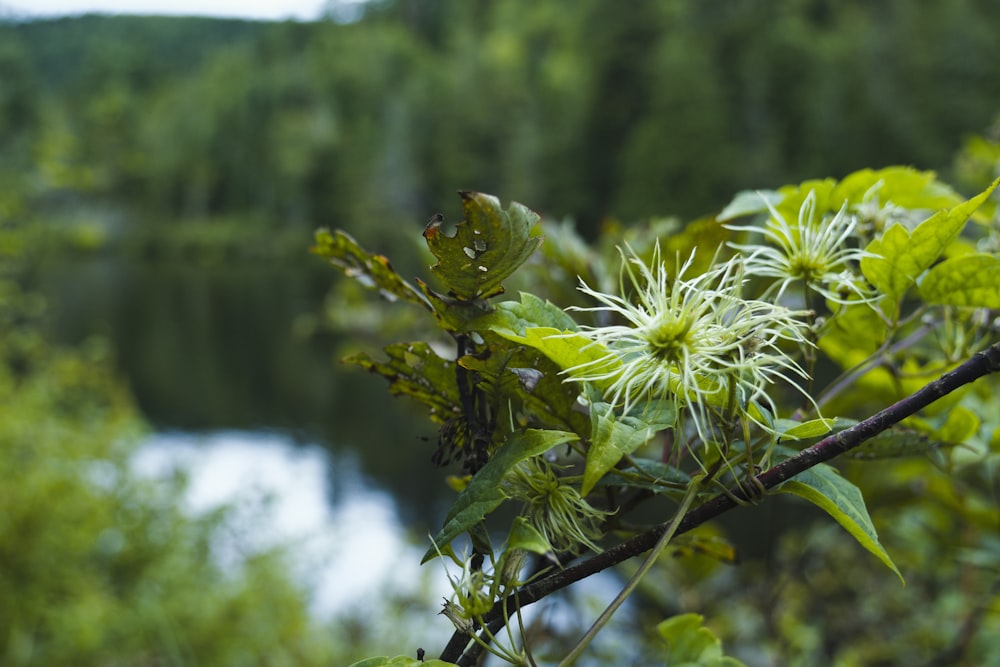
488, 246
565, 348
651, 475
613, 437
823, 486
484, 493
966, 280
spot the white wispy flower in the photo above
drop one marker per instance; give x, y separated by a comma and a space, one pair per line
816, 251
695, 341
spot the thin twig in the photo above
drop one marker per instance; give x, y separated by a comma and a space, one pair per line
980, 364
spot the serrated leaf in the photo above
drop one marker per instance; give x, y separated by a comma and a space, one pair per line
824, 487
415, 370
371, 270
887, 265
488, 246
401, 661
967, 280
749, 202
613, 437
898, 257
484, 493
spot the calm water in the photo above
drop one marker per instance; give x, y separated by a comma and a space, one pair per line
214, 348
256, 411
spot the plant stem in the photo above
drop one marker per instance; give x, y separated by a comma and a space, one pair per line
979, 365
605, 616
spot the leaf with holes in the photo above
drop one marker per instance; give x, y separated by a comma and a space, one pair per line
488, 246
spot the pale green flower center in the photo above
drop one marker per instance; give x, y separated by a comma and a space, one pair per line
669, 337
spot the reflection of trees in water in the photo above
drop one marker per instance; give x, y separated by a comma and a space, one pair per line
214, 348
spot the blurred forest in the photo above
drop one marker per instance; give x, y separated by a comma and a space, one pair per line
230, 141
225, 130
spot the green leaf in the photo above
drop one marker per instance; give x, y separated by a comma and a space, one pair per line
900, 186
961, 424
966, 280
415, 370
689, 643
488, 246
512, 318
372, 271
613, 437
566, 349
525, 536
400, 661
823, 486
898, 257
484, 493
528, 387
649, 474
793, 430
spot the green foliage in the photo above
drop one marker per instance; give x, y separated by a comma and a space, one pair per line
690, 644
689, 375
823, 486
488, 246
99, 565
899, 257
370, 121
485, 492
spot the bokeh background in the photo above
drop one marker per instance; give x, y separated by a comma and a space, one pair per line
160, 180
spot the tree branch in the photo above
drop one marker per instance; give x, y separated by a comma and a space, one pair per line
981, 364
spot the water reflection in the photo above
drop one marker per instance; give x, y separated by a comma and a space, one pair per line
345, 553
214, 347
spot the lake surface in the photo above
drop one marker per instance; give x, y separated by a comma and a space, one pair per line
216, 359
220, 348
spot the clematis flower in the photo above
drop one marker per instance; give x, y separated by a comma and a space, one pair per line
554, 508
816, 251
695, 341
